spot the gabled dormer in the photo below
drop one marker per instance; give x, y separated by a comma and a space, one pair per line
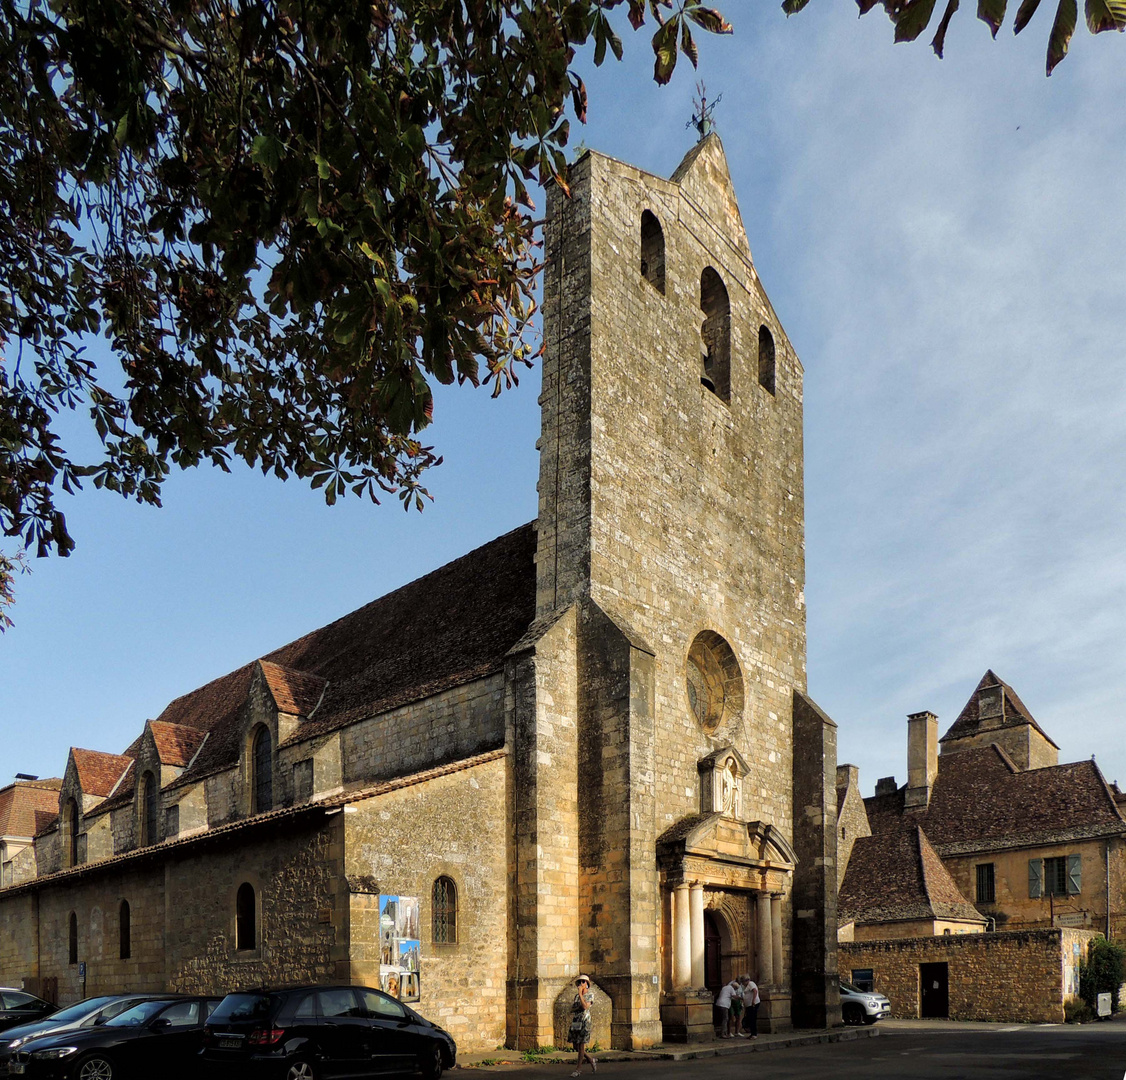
278, 701
162, 754
90, 778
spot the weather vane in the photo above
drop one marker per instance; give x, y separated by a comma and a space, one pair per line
702, 118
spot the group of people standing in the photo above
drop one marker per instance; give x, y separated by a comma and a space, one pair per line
736, 1009
736, 1015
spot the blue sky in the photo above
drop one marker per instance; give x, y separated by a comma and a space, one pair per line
944, 243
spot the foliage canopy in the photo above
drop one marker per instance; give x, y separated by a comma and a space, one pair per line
285, 217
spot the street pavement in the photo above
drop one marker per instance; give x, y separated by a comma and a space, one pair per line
903, 1050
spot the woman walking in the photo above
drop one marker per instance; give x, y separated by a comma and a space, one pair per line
581, 1023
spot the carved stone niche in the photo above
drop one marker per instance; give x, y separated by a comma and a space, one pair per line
721, 783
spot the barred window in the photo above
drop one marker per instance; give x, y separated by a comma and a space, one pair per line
124, 935
1055, 877
444, 912
246, 936
986, 884
263, 757
150, 810
72, 951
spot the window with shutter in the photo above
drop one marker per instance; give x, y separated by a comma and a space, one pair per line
1074, 882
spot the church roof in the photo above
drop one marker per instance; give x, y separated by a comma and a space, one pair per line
28, 806
452, 626
99, 773
175, 744
1014, 711
896, 875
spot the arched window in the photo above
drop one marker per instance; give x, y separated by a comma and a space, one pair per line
443, 910
652, 251
263, 758
766, 358
72, 828
716, 332
72, 948
150, 810
125, 949
246, 930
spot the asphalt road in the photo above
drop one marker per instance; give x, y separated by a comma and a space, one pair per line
951, 1052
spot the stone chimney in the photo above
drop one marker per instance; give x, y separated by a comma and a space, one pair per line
847, 774
922, 758
886, 786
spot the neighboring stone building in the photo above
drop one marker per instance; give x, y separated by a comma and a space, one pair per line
27, 806
991, 834
584, 746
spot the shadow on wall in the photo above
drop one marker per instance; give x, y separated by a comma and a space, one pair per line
600, 1013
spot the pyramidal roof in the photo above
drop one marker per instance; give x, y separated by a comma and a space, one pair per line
1013, 712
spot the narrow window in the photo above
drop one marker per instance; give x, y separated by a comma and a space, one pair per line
1055, 877
986, 884
72, 826
444, 912
72, 950
766, 358
150, 809
246, 936
652, 251
716, 334
263, 772
125, 950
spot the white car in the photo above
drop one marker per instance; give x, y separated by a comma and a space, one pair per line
862, 1006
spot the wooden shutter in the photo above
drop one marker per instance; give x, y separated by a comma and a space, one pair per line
1035, 878
1074, 881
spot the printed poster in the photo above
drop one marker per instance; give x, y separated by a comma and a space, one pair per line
400, 947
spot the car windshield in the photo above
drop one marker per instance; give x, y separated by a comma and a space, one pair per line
241, 1007
80, 1010
848, 988
137, 1015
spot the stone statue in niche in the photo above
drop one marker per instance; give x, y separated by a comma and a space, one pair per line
729, 787
721, 782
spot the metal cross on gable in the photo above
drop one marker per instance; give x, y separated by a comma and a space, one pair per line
703, 116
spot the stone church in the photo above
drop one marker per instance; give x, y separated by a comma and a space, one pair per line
585, 746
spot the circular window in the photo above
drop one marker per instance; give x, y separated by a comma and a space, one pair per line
714, 681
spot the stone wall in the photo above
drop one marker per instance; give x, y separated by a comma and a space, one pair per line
1021, 976
398, 844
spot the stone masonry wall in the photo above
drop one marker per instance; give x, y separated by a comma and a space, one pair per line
398, 844
1021, 976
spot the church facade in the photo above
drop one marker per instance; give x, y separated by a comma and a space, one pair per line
585, 746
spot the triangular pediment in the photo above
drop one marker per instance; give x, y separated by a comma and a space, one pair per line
719, 838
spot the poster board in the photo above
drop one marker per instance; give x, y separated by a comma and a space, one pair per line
400, 947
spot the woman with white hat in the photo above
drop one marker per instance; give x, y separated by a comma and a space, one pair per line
581, 1024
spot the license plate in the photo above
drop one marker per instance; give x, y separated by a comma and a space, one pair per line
16, 1068
230, 1044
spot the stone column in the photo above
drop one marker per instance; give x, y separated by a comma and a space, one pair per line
682, 939
765, 947
696, 906
776, 936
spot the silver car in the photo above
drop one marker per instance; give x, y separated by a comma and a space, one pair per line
862, 1006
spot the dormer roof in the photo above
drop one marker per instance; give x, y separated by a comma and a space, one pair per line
297, 693
99, 773
176, 744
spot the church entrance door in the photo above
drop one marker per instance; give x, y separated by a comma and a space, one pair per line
713, 974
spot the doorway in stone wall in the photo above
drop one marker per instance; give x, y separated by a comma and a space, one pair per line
713, 952
934, 991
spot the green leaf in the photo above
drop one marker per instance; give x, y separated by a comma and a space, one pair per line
912, 19
1106, 15
664, 47
688, 46
992, 13
1067, 15
939, 41
266, 151
1024, 13
708, 18
792, 7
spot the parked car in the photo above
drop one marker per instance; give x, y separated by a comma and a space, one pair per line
158, 1037
20, 1007
92, 1012
320, 1032
862, 1006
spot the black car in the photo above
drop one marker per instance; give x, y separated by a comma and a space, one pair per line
92, 1012
319, 1032
18, 1007
159, 1037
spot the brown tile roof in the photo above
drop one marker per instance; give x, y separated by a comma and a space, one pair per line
450, 627
99, 773
28, 806
1014, 711
896, 876
175, 744
295, 692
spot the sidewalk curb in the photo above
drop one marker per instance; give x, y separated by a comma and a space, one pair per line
707, 1050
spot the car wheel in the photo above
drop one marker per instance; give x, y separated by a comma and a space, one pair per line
95, 1067
430, 1062
852, 1013
869, 1019
301, 1070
